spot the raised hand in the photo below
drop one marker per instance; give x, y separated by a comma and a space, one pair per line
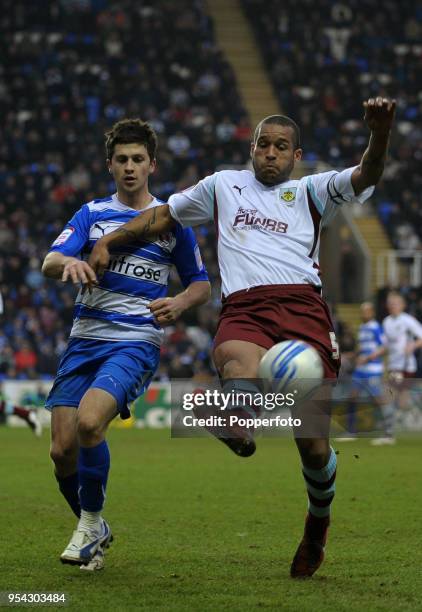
379, 114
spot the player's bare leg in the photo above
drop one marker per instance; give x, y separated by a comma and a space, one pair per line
64, 453
319, 470
237, 363
238, 359
96, 410
389, 409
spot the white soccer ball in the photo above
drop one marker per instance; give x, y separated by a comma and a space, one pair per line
292, 366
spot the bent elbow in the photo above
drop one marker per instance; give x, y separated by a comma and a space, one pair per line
50, 266
45, 268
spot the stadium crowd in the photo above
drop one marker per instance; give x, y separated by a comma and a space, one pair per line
71, 69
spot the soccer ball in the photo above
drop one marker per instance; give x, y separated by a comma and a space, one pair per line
292, 366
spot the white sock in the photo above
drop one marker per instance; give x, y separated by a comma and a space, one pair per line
90, 520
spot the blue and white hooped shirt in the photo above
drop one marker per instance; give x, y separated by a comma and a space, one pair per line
370, 338
117, 309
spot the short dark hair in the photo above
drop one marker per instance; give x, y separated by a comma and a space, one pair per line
280, 120
128, 131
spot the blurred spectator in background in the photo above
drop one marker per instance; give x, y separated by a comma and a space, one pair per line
25, 360
348, 273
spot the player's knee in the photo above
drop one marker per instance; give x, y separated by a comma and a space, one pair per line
314, 453
63, 453
233, 369
236, 368
237, 359
89, 428
228, 364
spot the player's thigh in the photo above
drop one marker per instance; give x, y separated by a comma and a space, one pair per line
96, 409
238, 359
126, 373
64, 440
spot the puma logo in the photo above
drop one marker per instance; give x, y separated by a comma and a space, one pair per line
239, 188
103, 227
98, 226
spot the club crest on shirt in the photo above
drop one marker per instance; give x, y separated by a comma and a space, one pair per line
288, 194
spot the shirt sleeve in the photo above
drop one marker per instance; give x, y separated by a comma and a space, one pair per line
187, 257
332, 189
414, 327
195, 205
75, 234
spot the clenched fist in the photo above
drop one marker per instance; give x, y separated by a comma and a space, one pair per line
379, 114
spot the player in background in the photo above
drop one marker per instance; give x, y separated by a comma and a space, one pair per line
31, 418
8, 408
367, 377
403, 335
268, 232
114, 344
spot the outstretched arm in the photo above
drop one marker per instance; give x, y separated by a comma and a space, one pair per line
153, 221
379, 115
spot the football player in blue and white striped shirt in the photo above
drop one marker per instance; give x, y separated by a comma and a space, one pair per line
114, 344
368, 373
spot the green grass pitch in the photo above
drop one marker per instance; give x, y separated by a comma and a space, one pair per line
199, 529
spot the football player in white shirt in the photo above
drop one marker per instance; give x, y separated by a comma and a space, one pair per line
268, 230
403, 335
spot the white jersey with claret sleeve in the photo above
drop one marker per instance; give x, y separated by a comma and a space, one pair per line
266, 234
399, 331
